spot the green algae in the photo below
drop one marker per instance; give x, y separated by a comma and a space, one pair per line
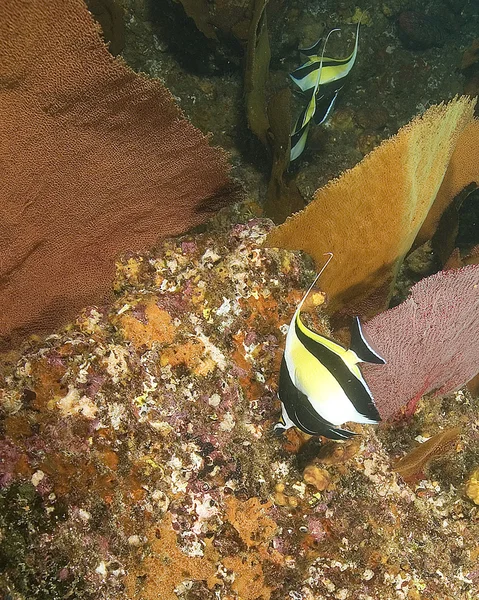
27, 565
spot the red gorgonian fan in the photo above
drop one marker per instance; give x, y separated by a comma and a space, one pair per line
430, 341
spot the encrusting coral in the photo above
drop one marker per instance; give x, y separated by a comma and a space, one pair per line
137, 459
370, 216
96, 160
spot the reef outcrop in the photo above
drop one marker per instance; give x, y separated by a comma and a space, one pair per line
137, 458
96, 160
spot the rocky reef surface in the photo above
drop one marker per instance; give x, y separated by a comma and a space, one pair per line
137, 459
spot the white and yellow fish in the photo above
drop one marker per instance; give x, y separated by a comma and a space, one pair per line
321, 70
320, 384
320, 79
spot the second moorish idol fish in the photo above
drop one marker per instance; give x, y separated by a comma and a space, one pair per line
320, 384
320, 69
317, 109
321, 80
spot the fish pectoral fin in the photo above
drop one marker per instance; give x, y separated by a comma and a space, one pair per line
313, 423
278, 429
340, 434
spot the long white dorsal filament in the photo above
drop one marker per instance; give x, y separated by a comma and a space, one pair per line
298, 310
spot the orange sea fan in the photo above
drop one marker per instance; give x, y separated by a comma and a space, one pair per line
371, 215
95, 160
463, 169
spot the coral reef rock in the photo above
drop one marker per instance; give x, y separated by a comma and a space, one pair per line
137, 459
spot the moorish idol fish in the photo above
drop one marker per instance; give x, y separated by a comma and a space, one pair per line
332, 69
320, 384
319, 105
320, 79
318, 109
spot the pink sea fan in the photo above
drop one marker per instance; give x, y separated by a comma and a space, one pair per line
430, 341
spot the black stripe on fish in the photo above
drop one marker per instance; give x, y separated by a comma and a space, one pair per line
297, 135
356, 390
308, 96
324, 106
308, 68
298, 142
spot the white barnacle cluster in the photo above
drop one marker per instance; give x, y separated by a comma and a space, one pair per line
182, 468
210, 348
205, 508
210, 258
201, 509
10, 400
227, 423
179, 476
117, 414
74, 402
377, 468
280, 469
323, 571
91, 320
147, 399
116, 362
400, 583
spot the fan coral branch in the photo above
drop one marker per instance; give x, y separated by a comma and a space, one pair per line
95, 160
370, 216
430, 341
